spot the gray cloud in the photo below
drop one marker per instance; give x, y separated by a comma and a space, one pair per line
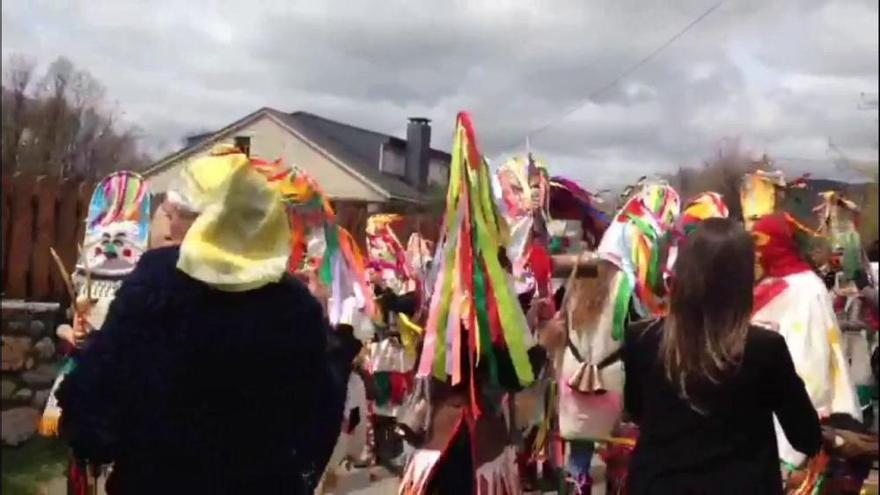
785, 76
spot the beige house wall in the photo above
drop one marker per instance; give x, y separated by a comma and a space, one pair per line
270, 141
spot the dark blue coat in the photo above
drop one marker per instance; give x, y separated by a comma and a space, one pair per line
187, 389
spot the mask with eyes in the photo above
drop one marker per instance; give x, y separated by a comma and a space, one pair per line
117, 226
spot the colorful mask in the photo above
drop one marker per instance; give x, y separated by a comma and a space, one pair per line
778, 251
760, 195
317, 244
637, 242
525, 195
418, 255
117, 225
703, 206
386, 255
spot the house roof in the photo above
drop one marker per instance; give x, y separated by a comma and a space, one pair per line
356, 147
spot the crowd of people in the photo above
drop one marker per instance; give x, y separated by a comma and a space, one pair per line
246, 344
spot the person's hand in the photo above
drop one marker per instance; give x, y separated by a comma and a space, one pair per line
81, 326
850, 444
551, 334
537, 311
319, 290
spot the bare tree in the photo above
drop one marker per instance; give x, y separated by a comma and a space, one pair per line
16, 83
72, 131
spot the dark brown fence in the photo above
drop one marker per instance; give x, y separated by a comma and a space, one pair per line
42, 212
39, 213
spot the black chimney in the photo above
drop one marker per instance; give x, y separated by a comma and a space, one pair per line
418, 150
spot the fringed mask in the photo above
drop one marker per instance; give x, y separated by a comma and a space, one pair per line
318, 245
638, 242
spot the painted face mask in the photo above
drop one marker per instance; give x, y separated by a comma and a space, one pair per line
117, 225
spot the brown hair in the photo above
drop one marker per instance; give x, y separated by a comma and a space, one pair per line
710, 305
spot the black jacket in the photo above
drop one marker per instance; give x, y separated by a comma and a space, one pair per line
732, 447
192, 390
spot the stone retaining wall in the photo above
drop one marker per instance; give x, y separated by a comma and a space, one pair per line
30, 362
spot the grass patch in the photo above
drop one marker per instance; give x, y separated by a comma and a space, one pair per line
27, 466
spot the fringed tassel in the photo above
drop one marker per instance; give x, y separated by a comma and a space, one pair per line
499, 476
51, 418
815, 477
418, 472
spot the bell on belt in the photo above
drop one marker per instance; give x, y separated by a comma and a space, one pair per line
587, 380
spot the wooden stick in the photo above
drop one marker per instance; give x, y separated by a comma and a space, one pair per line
586, 263
65, 275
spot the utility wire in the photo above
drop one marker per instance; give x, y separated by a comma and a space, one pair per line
617, 79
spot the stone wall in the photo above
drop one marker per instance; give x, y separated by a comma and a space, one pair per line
30, 362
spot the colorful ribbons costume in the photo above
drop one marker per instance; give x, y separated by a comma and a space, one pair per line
318, 245
476, 332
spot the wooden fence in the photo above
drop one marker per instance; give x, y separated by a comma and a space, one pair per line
39, 213
42, 212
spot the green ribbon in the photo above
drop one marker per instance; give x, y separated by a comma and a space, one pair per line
621, 307
481, 306
383, 388
332, 238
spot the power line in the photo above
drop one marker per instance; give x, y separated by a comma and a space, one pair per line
621, 76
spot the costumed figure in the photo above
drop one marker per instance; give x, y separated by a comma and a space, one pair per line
525, 197
630, 285
838, 221
116, 235
476, 348
550, 215
327, 257
392, 353
791, 299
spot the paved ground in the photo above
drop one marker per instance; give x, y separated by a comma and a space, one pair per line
357, 482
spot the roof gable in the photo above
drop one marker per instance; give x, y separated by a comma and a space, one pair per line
358, 148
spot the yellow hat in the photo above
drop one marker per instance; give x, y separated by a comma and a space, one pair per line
240, 240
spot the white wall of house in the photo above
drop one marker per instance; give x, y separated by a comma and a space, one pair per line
270, 141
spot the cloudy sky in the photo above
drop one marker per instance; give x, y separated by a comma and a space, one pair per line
784, 76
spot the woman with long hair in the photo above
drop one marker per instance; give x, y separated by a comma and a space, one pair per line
703, 384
